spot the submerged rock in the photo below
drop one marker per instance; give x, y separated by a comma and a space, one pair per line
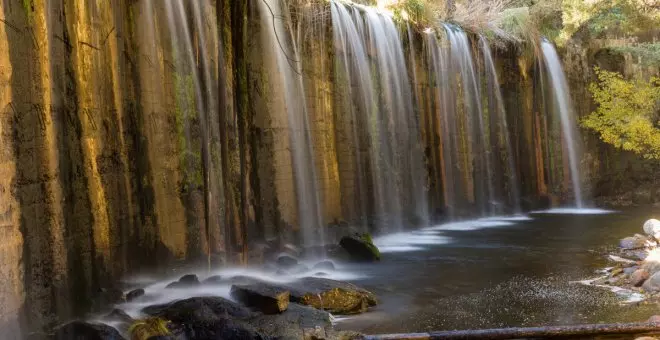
360, 247
87, 331
185, 281
134, 294
266, 298
198, 308
286, 261
324, 265
213, 280
292, 323
333, 296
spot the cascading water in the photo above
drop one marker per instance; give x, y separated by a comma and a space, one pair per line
477, 141
277, 25
383, 109
564, 109
496, 104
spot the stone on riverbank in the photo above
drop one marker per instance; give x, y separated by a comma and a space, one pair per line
651, 227
633, 242
360, 247
263, 297
653, 283
638, 277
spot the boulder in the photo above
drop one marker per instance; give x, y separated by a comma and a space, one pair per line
652, 284
185, 281
651, 227
633, 242
333, 296
118, 315
654, 319
286, 261
638, 277
360, 247
299, 269
198, 308
320, 274
221, 328
263, 297
134, 294
291, 323
651, 265
324, 265
213, 280
79, 330
630, 270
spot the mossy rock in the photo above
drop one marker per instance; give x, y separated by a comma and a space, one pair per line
149, 328
332, 296
360, 247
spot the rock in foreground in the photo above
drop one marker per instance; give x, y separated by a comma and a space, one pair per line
360, 247
88, 331
266, 298
333, 296
198, 308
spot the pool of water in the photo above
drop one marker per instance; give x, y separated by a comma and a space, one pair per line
492, 272
499, 272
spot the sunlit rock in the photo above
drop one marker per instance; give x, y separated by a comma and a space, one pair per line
633, 242
652, 227
653, 283
638, 277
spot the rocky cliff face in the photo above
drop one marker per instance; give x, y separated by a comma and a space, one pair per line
132, 136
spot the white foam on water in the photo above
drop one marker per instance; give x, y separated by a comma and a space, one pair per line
629, 296
156, 293
472, 225
515, 218
574, 211
406, 242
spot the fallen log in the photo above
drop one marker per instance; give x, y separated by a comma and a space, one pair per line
527, 332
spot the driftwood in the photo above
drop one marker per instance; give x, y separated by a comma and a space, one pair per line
530, 332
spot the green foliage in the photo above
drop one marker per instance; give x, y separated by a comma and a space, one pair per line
149, 328
627, 113
648, 53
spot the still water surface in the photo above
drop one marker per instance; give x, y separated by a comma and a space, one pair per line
499, 273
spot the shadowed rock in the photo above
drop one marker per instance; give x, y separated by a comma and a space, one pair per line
185, 281
198, 308
213, 280
286, 261
324, 265
134, 294
360, 248
221, 328
79, 330
266, 298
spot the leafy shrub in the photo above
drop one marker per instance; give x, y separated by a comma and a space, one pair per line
627, 113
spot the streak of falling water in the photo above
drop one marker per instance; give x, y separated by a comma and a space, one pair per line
491, 74
446, 112
564, 108
277, 23
461, 52
384, 108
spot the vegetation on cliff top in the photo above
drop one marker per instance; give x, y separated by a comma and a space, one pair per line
628, 113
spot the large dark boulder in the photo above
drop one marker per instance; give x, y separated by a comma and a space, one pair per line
292, 323
198, 309
222, 328
264, 297
336, 297
185, 281
80, 330
360, 247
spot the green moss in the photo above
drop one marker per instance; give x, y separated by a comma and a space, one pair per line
186, 116
28, 8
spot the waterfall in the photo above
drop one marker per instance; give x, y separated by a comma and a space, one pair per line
374, 71
276, 23
477, 149
563, 107
496, 103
